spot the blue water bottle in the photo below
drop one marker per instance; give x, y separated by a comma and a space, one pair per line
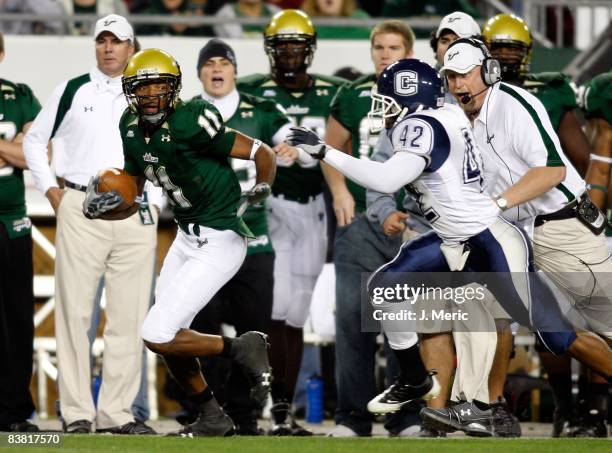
95, 388
314, 399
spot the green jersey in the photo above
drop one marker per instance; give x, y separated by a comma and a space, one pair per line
597, 97
554, 91
18, 106
188, 157
258, 118
350, 108
307, 107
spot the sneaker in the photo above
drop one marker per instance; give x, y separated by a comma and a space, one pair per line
505, 423
135, 427
20, 427
298, 430
399, 394
249, 429
342, 431
462, 416
593, 425
211, 422
78, 427
409, 431
250, 350
561, 424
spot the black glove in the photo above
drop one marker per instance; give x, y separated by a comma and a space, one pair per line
96, 203
256, 194
307, 140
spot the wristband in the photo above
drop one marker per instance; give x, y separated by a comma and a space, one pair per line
254, 148
607, 160
597, 187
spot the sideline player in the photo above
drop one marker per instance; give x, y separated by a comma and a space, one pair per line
183, 147
296, 209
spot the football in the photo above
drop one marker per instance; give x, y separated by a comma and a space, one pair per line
122, 182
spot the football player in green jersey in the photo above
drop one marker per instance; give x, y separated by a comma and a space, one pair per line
510, 42
296, 211
18, 108
246, 300
595, 100
184, 148
509, 39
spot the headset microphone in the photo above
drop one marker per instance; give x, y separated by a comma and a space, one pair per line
466, 98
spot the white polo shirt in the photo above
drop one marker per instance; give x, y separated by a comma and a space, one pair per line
514, 134
83, 113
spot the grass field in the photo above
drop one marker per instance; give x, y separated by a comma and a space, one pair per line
100, 443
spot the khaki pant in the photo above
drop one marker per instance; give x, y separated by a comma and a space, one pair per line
578, 262
124, 253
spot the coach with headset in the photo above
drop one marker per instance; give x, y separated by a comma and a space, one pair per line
533, 183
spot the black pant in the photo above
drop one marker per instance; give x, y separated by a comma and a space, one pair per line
16, 328
246, 303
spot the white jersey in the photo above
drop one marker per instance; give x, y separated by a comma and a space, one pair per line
515, 134
450, 190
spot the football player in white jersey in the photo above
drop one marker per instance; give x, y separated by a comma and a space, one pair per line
436, 155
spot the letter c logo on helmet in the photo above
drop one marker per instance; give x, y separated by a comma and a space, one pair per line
406, 83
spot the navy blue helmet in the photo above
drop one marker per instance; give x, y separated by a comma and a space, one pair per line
404, 87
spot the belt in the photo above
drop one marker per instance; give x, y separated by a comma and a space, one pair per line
302, 200
75, 186
566, 212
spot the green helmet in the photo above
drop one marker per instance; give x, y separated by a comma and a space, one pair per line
152, 66
508, 30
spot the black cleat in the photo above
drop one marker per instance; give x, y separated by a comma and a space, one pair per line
77, 427
505, 423
20, 427
399, 394
593, 425
462, 416
135, 427
211, 422
250, 350
426, 432
283, 423
561, 424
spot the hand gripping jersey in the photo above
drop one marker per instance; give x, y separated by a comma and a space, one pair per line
188, 157
18, 106
449, 192
307, 107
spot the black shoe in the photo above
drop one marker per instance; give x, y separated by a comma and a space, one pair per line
429, 432
505, 423
19, 427
249, 429
250, 350
561, 424
79, 427
462, 416
399, 394
211, 422
593, 425
283, 423
135, 427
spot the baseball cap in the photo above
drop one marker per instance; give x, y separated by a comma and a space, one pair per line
462, 57
115, 24
463, 25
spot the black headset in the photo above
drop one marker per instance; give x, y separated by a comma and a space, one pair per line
490, 69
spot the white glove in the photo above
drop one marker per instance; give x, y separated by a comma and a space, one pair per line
307, 140
96, 203
256, 194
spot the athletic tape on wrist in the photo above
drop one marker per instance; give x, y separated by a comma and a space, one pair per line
607, 160
254, 148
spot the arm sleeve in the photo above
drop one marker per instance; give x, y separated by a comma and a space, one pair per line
36, 141
387, 177
30, 105
380, 205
